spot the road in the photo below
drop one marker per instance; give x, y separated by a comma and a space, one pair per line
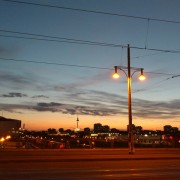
98, 164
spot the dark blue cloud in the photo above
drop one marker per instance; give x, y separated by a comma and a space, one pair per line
13, 94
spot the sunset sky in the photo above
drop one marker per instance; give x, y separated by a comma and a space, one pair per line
57, 58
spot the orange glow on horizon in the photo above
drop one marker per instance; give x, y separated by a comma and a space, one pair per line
44, 120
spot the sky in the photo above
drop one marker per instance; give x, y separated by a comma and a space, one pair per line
51, 71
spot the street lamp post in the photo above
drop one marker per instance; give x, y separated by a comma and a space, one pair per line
127, 71
130, 133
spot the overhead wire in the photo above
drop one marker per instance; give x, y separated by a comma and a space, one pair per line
64, 40
94, 67
70, 40
150, 87
41, 37
52, 37
145, 55
90, 11
77, 41
173, 77
155, 49
78, 66
53, 63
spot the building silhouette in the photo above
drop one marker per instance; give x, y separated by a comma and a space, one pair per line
168, 129
97, 127
7, 126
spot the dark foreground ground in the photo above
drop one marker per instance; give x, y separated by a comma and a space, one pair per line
89, 164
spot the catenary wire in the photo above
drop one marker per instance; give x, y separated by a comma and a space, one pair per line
147, 88
145, 55
83, 41
54, 63
78, 66
94, 67
68, 41
91, 11
52, 37
77, 41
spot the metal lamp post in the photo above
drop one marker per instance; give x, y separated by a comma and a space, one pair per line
127, 71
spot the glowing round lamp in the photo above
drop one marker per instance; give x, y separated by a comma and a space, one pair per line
116, 76
142, 77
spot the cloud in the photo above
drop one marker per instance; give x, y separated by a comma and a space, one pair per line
13, 94
75, 100
14, 108
151, 109
73, 109
82, 82
40, 96
51, 107
9, 79
96, 103
105, 104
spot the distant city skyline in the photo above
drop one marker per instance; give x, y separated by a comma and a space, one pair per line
96, 124
57, 59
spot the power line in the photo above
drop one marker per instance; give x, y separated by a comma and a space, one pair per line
175, 76
152, 54
158, 50
66, 40
160, 73
92, 11
94, 67
147, 88
53, 63
47, 36
78, 66
76, 41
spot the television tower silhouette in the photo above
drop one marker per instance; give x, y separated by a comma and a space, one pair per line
77, 122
